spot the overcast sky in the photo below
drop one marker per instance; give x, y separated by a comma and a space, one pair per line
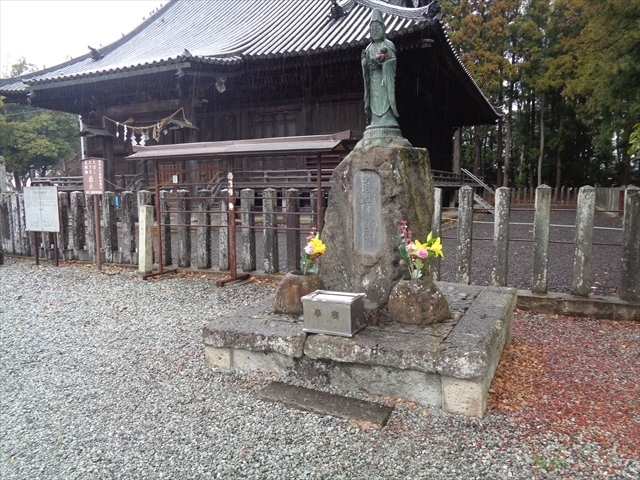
49, 32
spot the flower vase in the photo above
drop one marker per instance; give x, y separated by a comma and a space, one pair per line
292, 288
417, 302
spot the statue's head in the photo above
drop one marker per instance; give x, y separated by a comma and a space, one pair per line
377, 27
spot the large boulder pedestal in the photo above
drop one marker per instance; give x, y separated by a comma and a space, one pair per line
449, 364
372, 192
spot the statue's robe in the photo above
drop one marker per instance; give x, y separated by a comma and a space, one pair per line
380, 84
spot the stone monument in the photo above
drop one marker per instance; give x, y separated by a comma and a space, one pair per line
381, 183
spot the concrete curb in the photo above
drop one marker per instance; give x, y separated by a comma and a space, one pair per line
611, 308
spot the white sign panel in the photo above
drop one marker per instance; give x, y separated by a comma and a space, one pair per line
41, 209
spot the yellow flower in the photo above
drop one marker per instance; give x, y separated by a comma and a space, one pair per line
318, 246
436, 247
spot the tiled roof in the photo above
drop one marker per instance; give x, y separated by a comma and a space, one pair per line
226, 32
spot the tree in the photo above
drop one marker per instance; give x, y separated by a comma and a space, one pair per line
34, 137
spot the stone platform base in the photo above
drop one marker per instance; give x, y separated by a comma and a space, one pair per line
450, 364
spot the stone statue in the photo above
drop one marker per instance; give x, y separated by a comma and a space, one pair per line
379, 72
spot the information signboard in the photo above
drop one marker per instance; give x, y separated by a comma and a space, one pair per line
93, 176
41, 209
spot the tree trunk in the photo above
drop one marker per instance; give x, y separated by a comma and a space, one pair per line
477, 158
17, 179
507, 149
541, 140
559, 161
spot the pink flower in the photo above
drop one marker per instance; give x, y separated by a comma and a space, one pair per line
422, 253
308, 249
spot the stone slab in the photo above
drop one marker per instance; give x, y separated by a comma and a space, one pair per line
391, 345
257, 330
326, 403
474, 345
420, 387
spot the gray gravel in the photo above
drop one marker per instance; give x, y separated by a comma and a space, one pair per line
102, 376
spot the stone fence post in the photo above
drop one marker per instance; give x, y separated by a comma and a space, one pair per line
436, 228
541, 222
585, 210
145, 239
77, 237
630, 272
500, 267
203, 234
110, 230
63, 235
165, 218
293, 228
7, 223
91, 225
465, 231
248, 234
184, 228
270, 215
127, 205
223, 232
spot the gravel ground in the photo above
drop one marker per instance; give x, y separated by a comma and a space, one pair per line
102, 376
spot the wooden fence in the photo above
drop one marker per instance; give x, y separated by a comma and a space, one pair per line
270, 227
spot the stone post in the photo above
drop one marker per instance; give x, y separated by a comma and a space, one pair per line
248, 236
269, 209
562, 195
16, 233
25, 239
144, 198
500, 269
110, 229
465, 232
630, 271
145, 239
184, 228
436, 228
90, 233
292, 216
541, 222
203, 234
7, 222
584, 240
165, 217
128, 227
223, 233
3, 176
77, 237
63, 235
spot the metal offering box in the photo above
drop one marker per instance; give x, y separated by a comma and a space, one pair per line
333, 313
